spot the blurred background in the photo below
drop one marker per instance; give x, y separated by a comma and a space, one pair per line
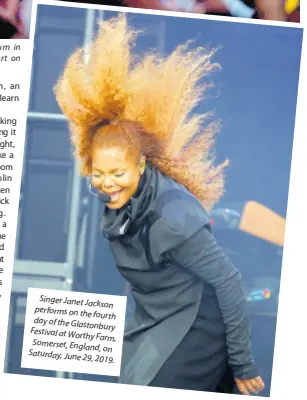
15, 15
59, 244
275, 10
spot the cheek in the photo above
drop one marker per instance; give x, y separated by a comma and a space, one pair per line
96, 182
128, 182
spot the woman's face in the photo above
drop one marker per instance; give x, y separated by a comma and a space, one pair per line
117, 173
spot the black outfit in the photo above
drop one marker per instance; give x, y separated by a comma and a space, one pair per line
187, 367
190, 324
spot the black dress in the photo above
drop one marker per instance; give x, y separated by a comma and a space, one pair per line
187, 367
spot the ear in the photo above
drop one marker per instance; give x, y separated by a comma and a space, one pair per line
142, 164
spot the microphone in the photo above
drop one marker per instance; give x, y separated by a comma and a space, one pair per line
104, 197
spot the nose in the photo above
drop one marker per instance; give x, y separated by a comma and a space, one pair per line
107, 182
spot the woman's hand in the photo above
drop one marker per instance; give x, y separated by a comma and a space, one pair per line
250, 385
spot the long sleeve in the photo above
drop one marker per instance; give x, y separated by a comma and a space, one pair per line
201, 255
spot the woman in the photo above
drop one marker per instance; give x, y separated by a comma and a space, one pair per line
134, 135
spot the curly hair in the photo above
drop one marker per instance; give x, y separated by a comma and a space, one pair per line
147, 101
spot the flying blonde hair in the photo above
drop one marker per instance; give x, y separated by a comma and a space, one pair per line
153, 96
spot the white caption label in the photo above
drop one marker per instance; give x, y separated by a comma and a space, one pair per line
73, 332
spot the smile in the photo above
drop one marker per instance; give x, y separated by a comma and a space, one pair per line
114, 195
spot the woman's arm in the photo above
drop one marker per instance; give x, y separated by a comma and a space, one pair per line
272, 10
201, 256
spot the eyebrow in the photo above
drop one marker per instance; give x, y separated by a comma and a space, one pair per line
112, 170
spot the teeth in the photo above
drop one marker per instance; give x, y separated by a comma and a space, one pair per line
114, 196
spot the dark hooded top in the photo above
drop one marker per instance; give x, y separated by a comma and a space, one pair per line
163, 247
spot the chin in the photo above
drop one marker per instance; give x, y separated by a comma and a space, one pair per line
113, 206
116, 206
